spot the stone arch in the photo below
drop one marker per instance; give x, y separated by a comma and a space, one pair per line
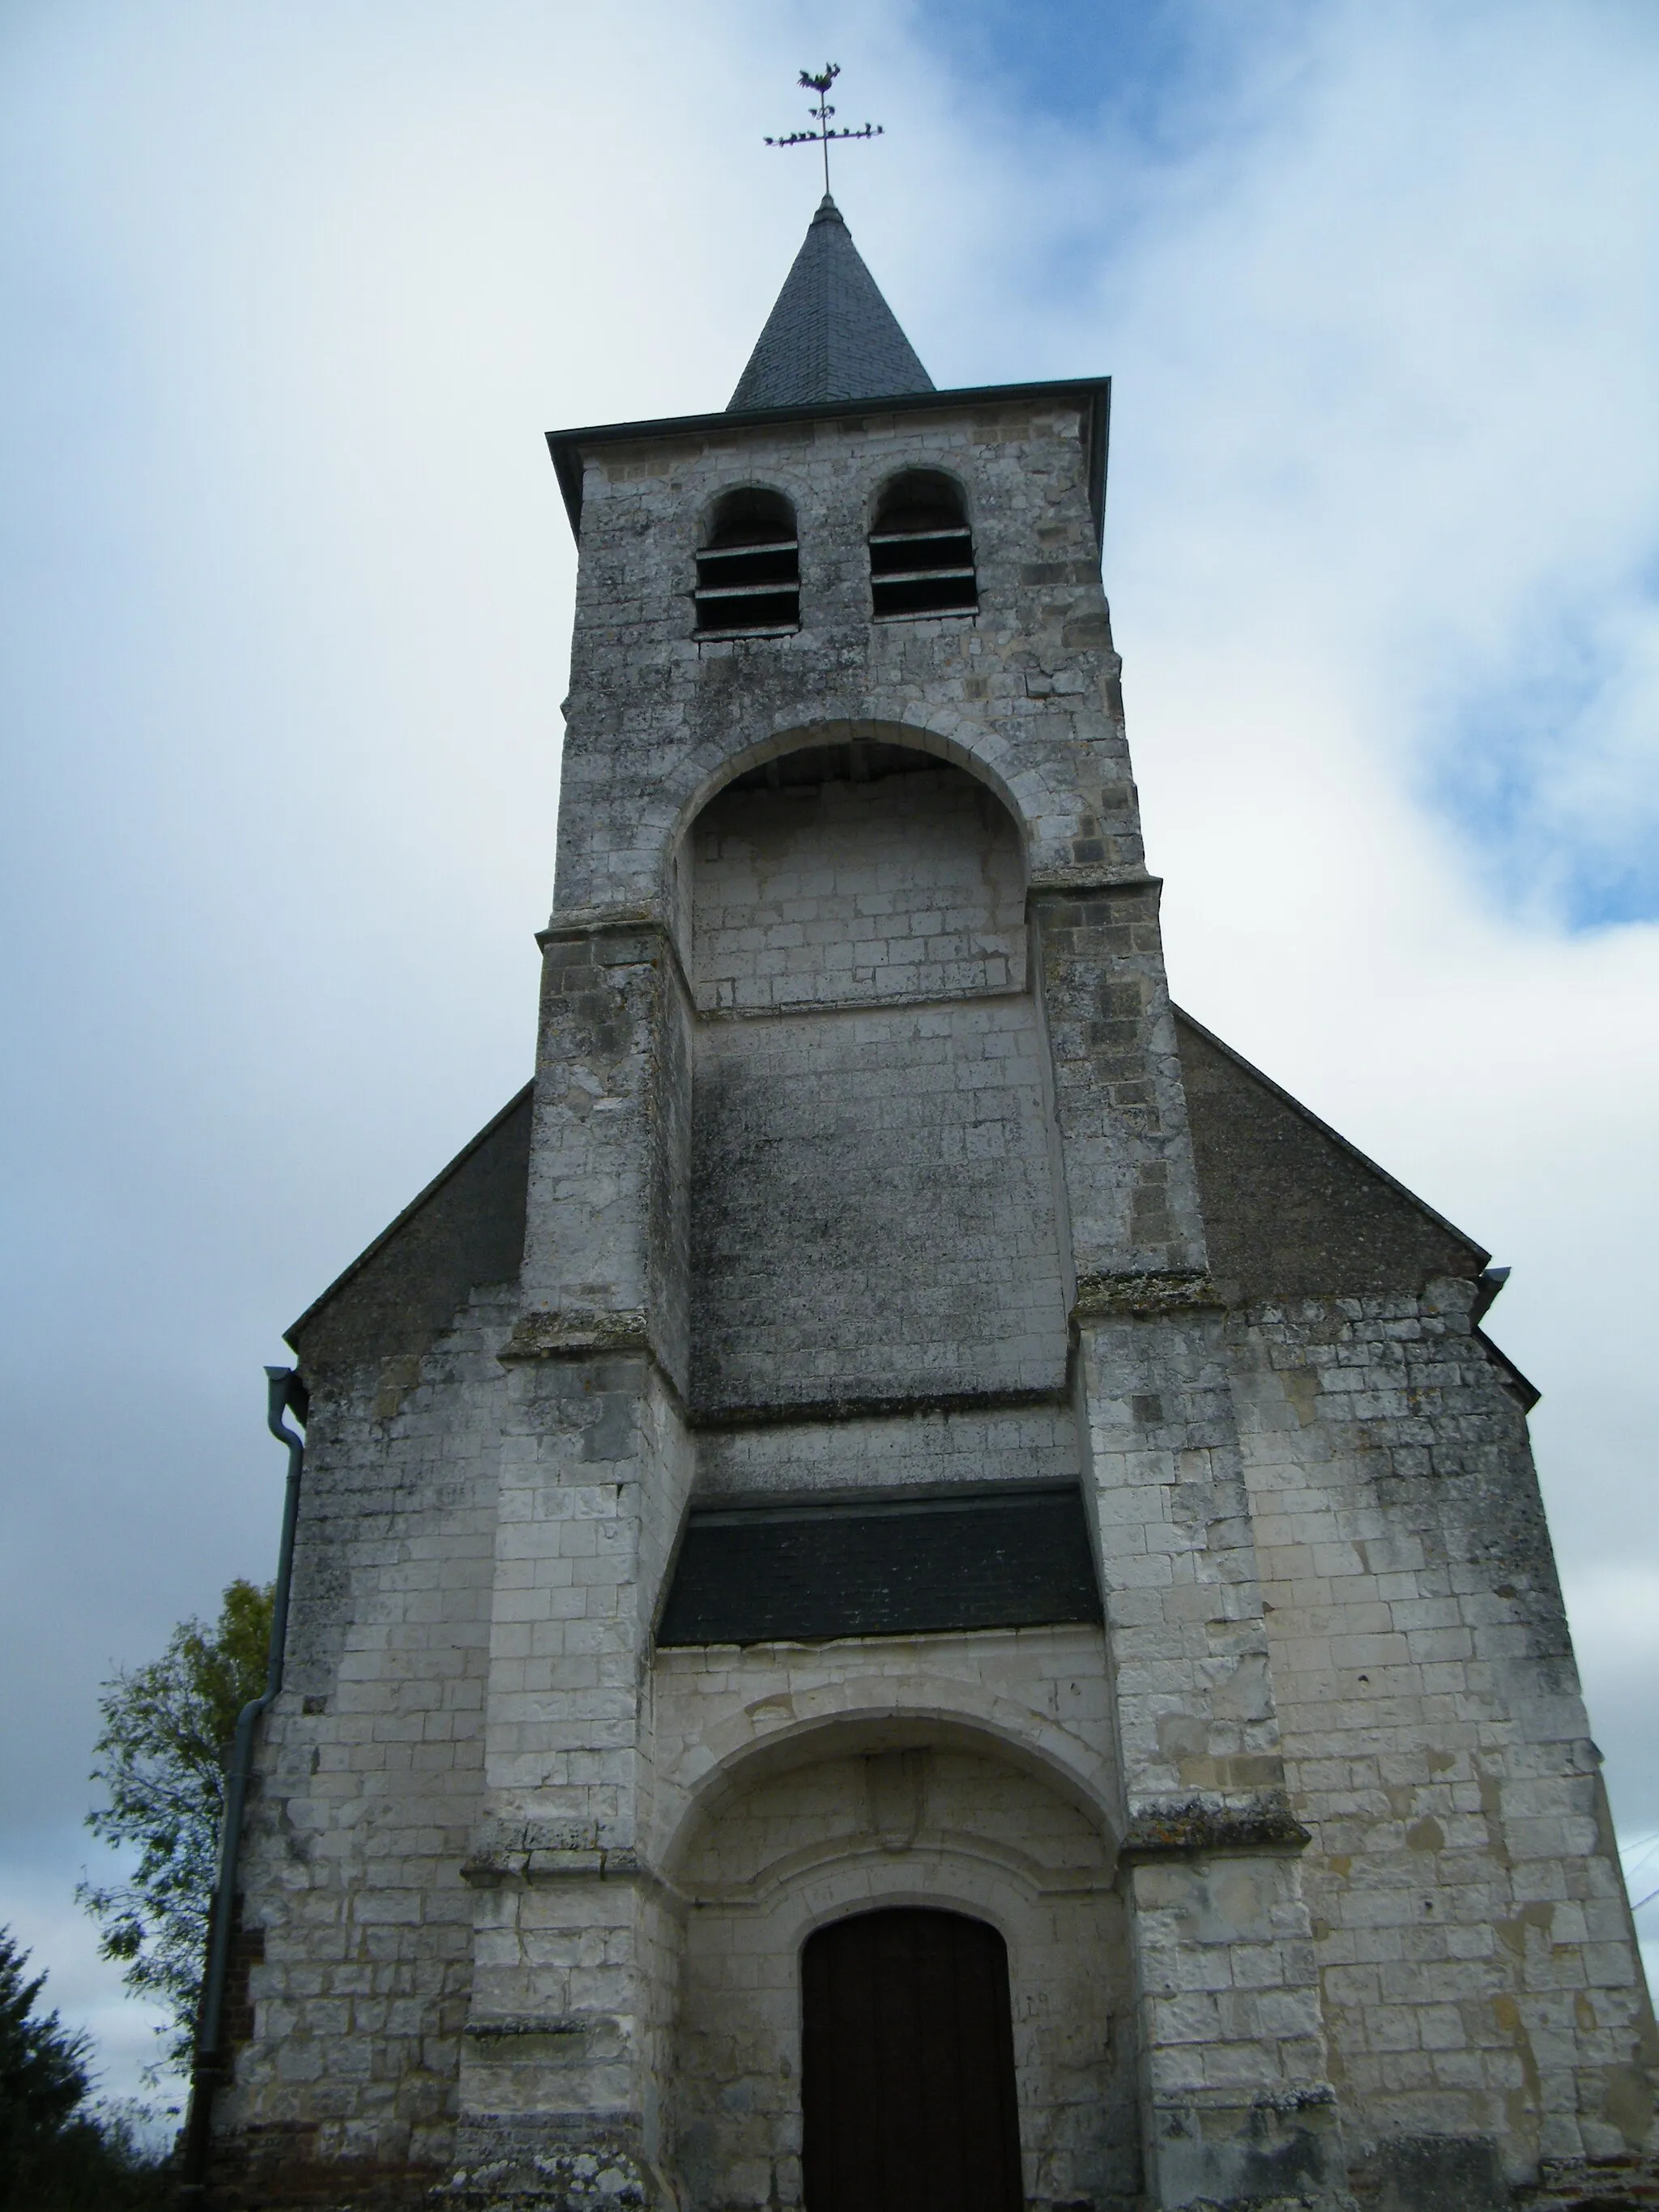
736, 2125
954, 1881
786, 1724
878, 492
953, 739
805, 851
792, 484
724, 508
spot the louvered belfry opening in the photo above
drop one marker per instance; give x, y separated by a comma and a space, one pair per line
922, 550
749, 572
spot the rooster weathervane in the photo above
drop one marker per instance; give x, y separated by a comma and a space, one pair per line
820, 115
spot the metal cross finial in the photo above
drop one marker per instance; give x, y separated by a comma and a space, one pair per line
821, 114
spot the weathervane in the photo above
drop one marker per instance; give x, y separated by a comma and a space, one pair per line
821, 114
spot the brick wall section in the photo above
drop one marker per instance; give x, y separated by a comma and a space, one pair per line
655, 720
1130, 1181
1194, 1701
600, 1146
668, 1287
1474, 1943
571, 1982
594, 1476
910, 887
1228, 1995
371, 1765
988, 1444
874, 1208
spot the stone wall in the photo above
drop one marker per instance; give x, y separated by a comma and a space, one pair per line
842, 892
975, 1446
658, 721
861, 1160
874, 1210
372, 1765
1477, 1968
948, 1828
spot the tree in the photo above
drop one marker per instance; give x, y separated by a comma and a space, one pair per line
161, 1757
43, 2068
54, 2152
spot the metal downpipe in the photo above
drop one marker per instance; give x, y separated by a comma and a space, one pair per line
210, 2067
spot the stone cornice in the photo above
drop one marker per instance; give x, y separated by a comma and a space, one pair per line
1087, 882
1169, 1827
575, 1333
1111, 1297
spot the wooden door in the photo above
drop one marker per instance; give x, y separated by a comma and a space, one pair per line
907, 2066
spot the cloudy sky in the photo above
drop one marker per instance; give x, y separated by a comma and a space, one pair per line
292, 291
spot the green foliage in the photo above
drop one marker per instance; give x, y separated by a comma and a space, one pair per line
160, 1758
43, 2068
55, 2155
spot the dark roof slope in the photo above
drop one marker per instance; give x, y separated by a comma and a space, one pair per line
465, 1229
831, 335
1291, 1209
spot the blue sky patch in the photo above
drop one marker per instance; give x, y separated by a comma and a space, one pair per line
1552, 772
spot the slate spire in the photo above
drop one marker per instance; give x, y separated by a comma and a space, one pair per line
831, 335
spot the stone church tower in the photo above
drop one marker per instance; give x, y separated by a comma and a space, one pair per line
914, 1591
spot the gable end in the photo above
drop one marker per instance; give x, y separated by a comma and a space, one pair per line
464, 1230
1290, 1208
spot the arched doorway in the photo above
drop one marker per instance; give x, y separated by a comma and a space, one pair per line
908, 2066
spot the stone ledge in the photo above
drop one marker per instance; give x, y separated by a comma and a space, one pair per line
1177, 1827
576, 1334
1084, 881
1109, 1297
871, 1406
531, 1861
598, 921
1629, 2184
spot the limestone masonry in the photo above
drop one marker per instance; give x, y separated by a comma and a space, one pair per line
912, 1587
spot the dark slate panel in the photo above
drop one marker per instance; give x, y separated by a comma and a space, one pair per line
831, 335
465, 1230
804, 1573
1291, 1209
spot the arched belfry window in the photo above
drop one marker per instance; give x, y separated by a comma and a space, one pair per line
749, 571
921, 550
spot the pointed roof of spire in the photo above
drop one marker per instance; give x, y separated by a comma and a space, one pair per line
831, 335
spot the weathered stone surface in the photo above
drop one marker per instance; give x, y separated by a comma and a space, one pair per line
869, 1160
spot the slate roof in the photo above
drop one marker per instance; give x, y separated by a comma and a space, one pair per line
903, 1567
831, 335
1290, 1210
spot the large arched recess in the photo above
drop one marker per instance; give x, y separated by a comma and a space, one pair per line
899, 1810
979, 752
874, 1215
707, 1758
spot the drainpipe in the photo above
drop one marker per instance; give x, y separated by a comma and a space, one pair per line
211, 2063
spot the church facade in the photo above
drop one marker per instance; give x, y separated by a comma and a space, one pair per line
912, 1587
